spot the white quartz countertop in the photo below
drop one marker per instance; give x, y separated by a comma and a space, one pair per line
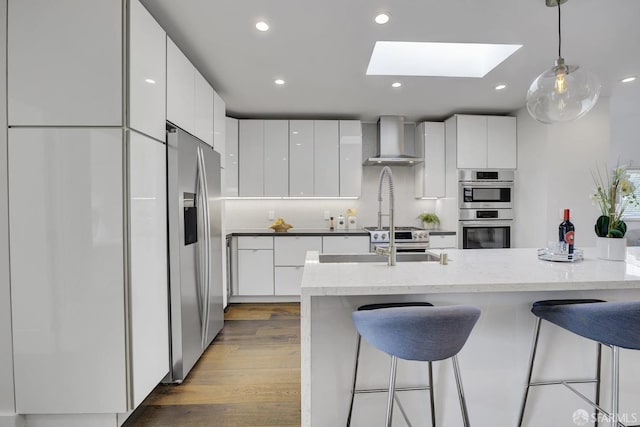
472, 270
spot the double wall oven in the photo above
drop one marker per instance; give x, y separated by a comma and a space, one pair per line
485, 209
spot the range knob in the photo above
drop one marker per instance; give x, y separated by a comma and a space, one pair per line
384, 236
375, 236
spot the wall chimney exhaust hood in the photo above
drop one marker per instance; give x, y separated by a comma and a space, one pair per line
391, 144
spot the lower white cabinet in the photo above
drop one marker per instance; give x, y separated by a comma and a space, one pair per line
255, 272
288, 280
443, 241
345, 244
273, 266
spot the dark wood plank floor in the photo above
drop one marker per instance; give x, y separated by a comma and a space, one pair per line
248, 377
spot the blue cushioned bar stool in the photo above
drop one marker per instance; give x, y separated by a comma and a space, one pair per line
422, 333
614, 324
355, 390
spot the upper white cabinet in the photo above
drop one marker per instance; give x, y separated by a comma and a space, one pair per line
251, 158
484, 141
430, 175
502, 142
189, 96
230, 189
65, 64
180, 88
147, 73
350, 158
203, 109
301, 150
276, 158
326, 158
219, 128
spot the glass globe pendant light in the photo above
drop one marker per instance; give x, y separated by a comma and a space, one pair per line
565, 92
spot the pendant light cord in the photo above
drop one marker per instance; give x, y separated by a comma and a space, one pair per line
559, 33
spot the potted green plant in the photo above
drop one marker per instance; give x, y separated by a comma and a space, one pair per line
429, 220
614, 193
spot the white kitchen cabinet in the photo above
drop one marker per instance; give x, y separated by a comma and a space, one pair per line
276, 158
350, 158
67, 271
147, 73
65, 65
301, 150
288, 280
148, 251
292, 250
255, 271
251, 158
203, 110
230, 188
219, 128
326, 158
430, 175
501, 142
180, 89
345, 244
288, 259
485, 142
442, 241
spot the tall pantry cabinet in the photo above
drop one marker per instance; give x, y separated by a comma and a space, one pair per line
87, 209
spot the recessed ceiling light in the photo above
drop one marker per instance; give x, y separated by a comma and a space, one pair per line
150, 81
437, 59
279, 81
262, 26
501, 86
396, 84
628, 79
382, 18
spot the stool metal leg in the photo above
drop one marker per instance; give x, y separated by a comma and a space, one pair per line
355, 378
463, 404
392, 391
615, 385
431, 398
598, 377
532, 358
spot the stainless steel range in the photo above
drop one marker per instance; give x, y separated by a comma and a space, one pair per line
407, 239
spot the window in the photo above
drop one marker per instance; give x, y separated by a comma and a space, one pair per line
633, 212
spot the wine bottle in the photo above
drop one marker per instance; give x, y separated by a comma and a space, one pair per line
566, 231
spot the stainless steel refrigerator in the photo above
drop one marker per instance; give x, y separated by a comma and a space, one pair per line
195, 249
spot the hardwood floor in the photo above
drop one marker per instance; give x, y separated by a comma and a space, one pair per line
248, 377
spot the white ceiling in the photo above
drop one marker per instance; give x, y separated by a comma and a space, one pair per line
322, 49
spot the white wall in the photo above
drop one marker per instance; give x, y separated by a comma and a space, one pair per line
554, 173
7, 400
304, 214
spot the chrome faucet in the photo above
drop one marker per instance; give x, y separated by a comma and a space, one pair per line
390, 252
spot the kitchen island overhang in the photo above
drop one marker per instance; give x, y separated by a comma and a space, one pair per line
504, 283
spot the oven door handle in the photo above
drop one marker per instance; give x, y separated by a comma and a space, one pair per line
487, 223
494, 184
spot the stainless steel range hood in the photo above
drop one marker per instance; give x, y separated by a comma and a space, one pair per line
391, 149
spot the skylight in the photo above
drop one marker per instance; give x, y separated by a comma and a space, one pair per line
437, 59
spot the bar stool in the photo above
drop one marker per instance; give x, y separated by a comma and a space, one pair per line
614, 324
355, 390
422, 333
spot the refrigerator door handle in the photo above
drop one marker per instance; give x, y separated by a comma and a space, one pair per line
207, 247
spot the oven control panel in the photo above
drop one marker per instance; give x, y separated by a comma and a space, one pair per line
382, 236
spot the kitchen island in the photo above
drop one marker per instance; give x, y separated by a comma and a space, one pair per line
503, 283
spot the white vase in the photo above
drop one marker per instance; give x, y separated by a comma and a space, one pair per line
611, 249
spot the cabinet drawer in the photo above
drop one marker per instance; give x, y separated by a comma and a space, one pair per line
443, 241
292, 250
255, 242
345, 244
288, 280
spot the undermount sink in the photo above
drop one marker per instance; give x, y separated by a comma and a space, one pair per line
371, 257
